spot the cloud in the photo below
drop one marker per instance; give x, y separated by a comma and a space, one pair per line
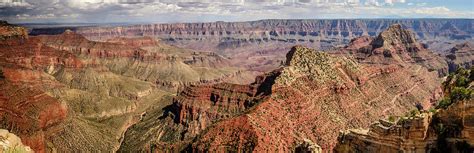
14, 3
433, 10
212, 10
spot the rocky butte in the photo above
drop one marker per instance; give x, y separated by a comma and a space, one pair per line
300, 106
394, 46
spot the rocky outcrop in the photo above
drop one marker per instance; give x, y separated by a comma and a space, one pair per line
9, 142
462, 55
8, 31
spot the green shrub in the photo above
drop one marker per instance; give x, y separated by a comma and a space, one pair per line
460, 93
462, 81
444, 103
391, 118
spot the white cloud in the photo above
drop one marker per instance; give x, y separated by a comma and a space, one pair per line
433, 10
14, 3
421, 4
212, 10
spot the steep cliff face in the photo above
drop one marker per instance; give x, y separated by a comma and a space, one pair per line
304, 103
446, 129
461, 55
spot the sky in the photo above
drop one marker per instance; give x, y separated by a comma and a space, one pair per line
174, 11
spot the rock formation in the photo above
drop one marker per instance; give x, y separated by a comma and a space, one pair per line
395, 45
449, 129
9, 142
8, 31
462, 55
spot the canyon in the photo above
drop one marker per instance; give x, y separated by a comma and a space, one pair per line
263, 86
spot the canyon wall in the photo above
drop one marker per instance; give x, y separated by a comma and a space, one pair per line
234, 34
261, 45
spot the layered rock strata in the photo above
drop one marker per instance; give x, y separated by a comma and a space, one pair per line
449, 128
263, 44
394, 46
460, 56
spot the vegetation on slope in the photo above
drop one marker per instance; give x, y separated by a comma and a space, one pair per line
458, 87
